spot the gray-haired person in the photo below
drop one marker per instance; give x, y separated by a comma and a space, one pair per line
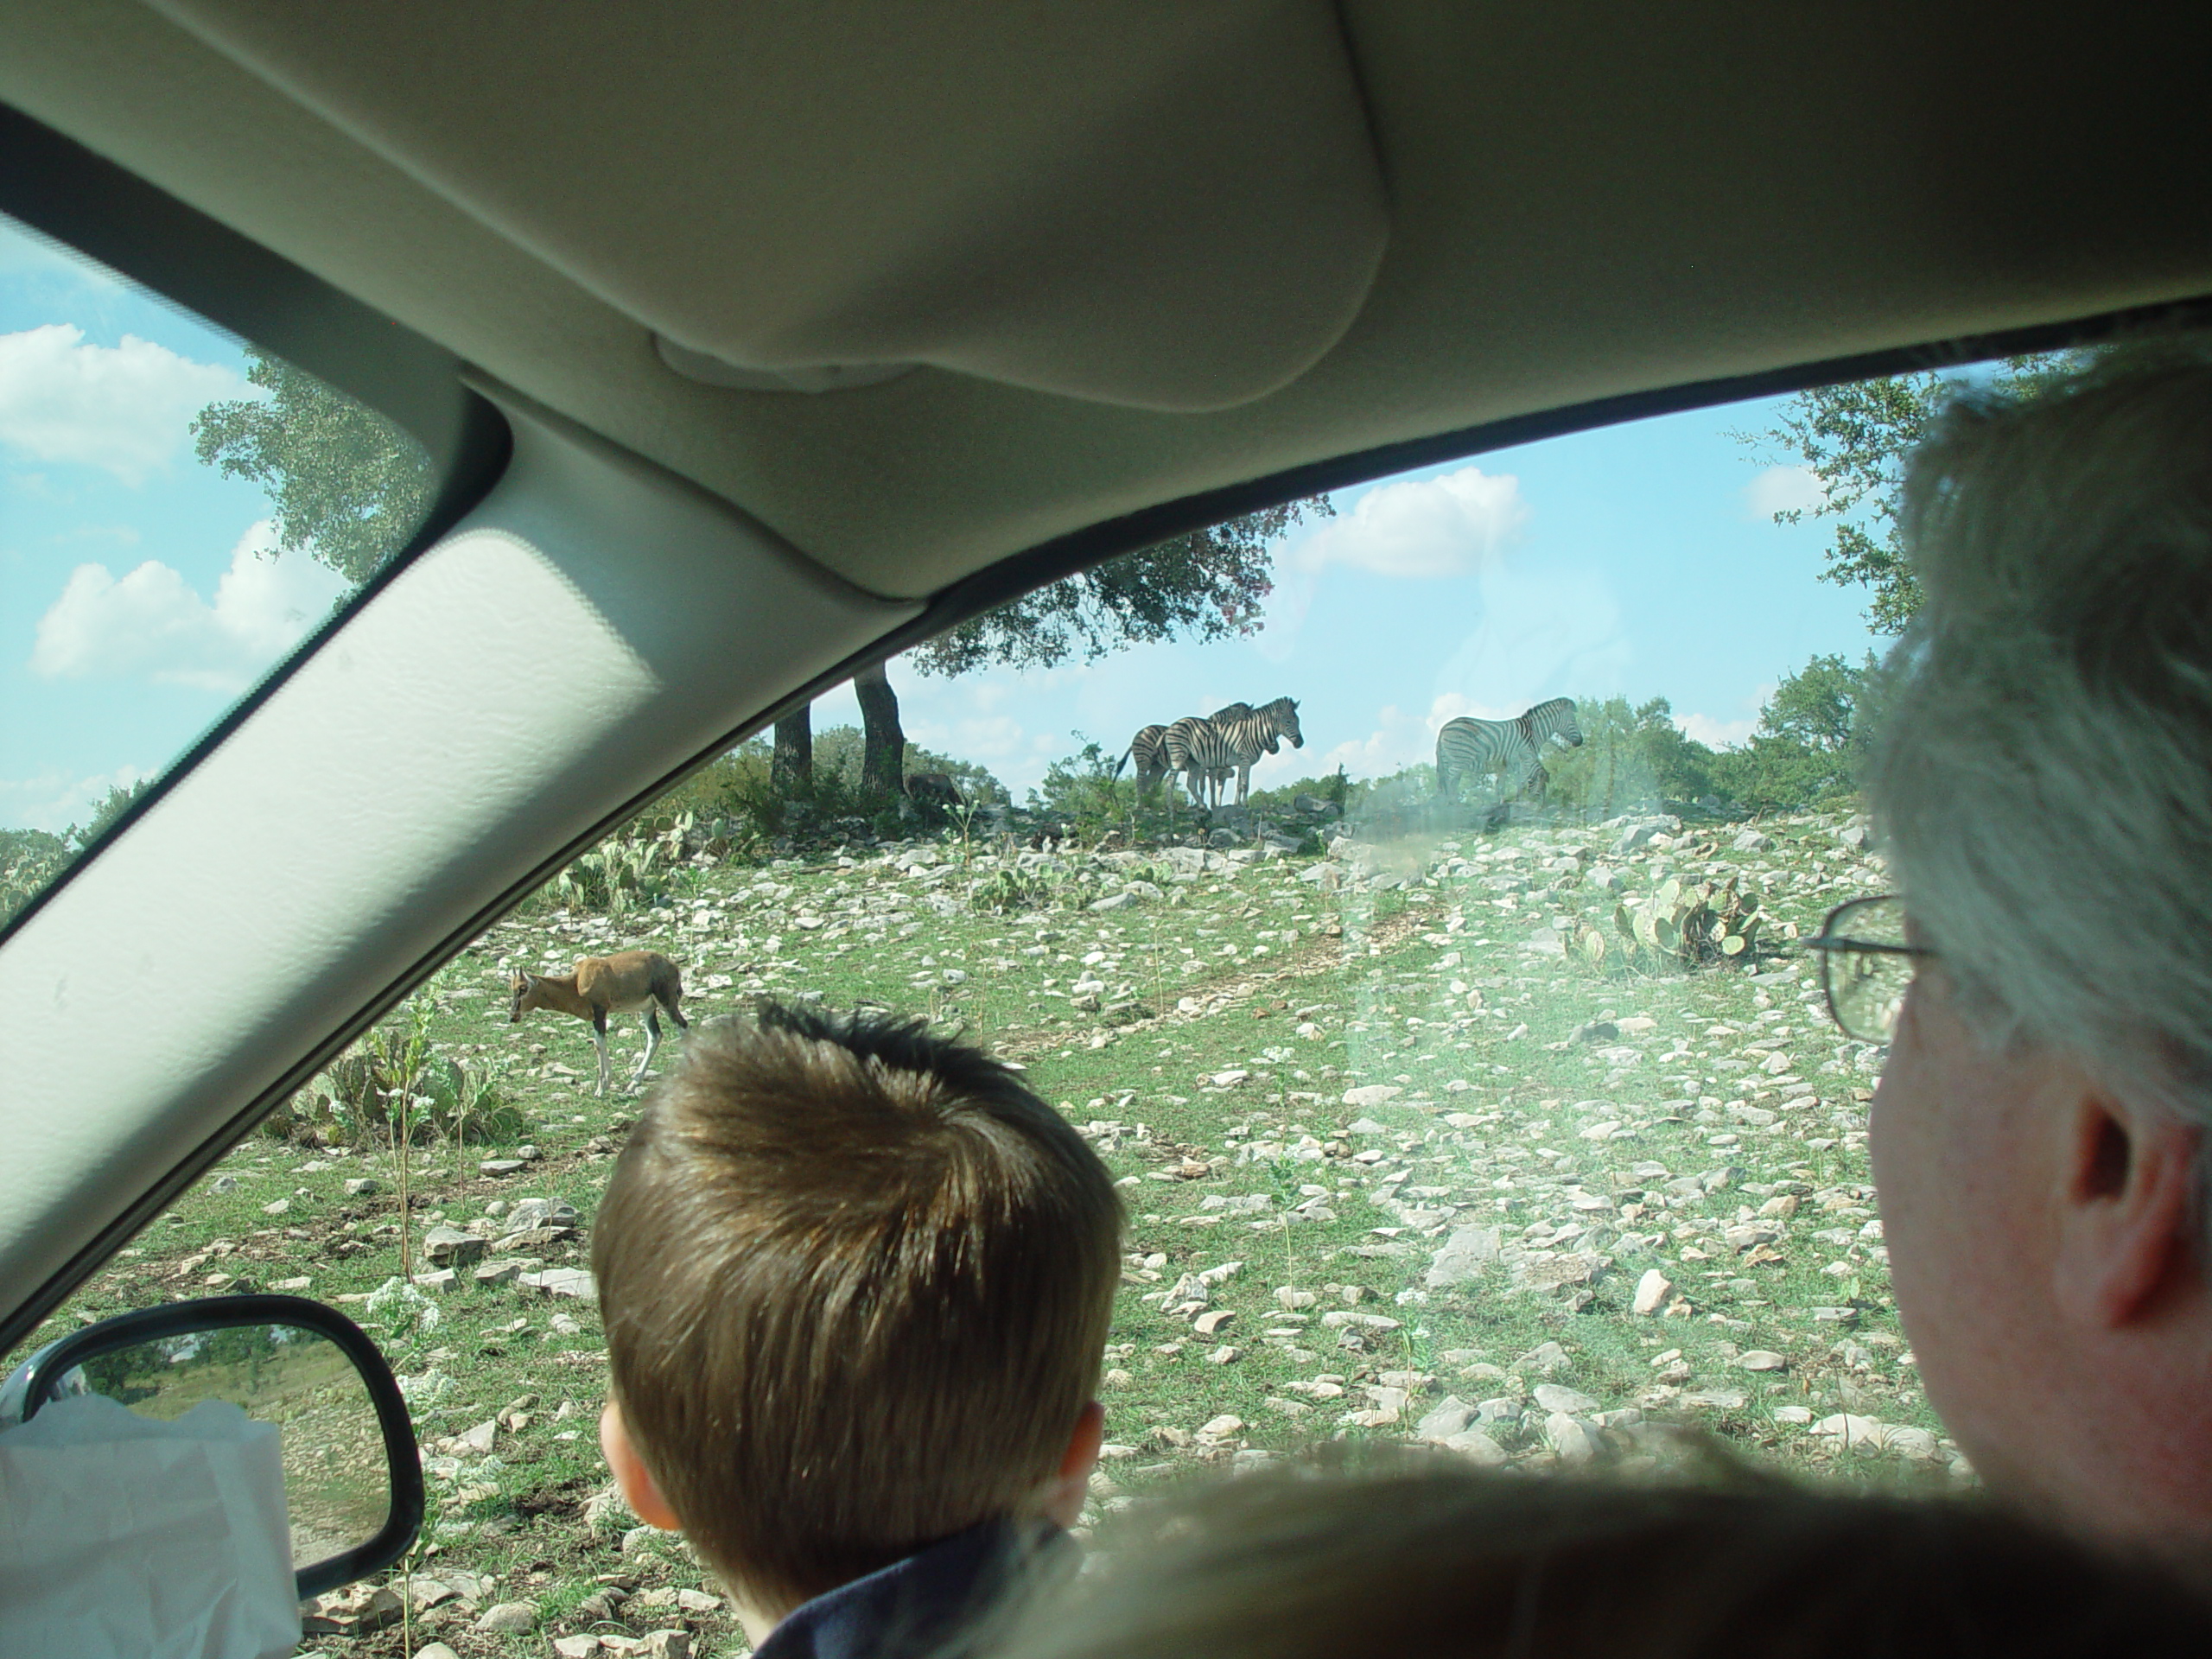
2042, 783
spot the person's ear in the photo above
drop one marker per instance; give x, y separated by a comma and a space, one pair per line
2127, 1210
632, 1478
1066, 1491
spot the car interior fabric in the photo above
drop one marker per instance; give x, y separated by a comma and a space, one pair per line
1581, 203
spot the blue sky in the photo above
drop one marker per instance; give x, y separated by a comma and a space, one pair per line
1641, 559
138, 596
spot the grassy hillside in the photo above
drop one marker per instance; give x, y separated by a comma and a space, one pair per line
1404, 1157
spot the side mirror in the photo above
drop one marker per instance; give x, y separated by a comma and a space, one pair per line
352, 1477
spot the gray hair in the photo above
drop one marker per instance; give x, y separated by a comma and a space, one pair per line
2042, 776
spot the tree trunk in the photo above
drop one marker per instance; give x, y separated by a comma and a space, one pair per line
883, 751
792, 766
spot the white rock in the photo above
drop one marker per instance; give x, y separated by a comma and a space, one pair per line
1569, 1439
1446, 1418
1763, 1359
1553, 1396
1464, 1255
1476, 1446
1651, 1291
1221, 1428
509, 1618
1370, 1095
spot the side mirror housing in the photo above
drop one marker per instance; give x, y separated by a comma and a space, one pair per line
353, 1476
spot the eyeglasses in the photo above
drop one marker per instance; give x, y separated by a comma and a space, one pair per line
1866, 966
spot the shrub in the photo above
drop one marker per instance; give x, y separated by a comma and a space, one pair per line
352, 1100
1811, 741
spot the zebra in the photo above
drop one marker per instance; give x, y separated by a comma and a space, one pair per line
1230, 739
1512, 749
1149, 748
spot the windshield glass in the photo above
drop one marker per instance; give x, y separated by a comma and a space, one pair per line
177, 511
1498, 1110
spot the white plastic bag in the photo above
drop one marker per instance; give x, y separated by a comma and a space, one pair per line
122, 1537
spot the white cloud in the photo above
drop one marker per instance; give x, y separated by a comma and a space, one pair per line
1717, 734
124, 407
53, 800
1783, 489
1451, 525
1442, 527
151, 623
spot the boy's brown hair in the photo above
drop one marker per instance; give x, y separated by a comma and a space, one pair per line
857, 1281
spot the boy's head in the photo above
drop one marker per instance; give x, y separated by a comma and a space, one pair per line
857, 1281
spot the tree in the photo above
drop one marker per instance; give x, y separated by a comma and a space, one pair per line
883, 762
1810, 739
1631, 757
348, 486
1855, 438
1206, 584
791, 767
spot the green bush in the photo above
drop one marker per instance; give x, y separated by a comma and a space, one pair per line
353, 1101
1632, 759
1811, 742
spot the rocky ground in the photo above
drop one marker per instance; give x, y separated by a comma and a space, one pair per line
1405, 1158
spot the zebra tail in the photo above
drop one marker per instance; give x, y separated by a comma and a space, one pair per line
1123, 761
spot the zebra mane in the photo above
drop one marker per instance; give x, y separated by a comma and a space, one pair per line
1233, 711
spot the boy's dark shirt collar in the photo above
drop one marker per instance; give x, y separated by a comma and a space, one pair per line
912, 1607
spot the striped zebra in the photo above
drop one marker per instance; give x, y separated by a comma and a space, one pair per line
1230, 739
1149, 748
1512, 750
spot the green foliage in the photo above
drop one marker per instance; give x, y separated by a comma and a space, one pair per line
1207, 584
118, 800
1080, 787
627, 871
348, 485
1677, 924
1632, 757
1811, 739
743, 806
1855, 439
353, 1101
29, 861
1337, 789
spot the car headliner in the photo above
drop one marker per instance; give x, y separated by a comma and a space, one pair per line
1158, 263
1569, 204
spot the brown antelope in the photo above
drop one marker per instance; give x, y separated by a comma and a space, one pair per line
630, 981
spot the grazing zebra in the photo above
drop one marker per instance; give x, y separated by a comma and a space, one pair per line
1512, 749
1230, 739
1149, 750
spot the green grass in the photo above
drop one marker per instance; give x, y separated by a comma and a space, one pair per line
1204, 980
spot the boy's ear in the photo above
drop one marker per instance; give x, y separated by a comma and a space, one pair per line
1064, 1493
634, 1481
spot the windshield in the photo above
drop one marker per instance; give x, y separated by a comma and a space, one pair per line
1461, 1067
178, 511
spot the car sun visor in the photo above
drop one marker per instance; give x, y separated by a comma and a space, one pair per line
1173, 207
